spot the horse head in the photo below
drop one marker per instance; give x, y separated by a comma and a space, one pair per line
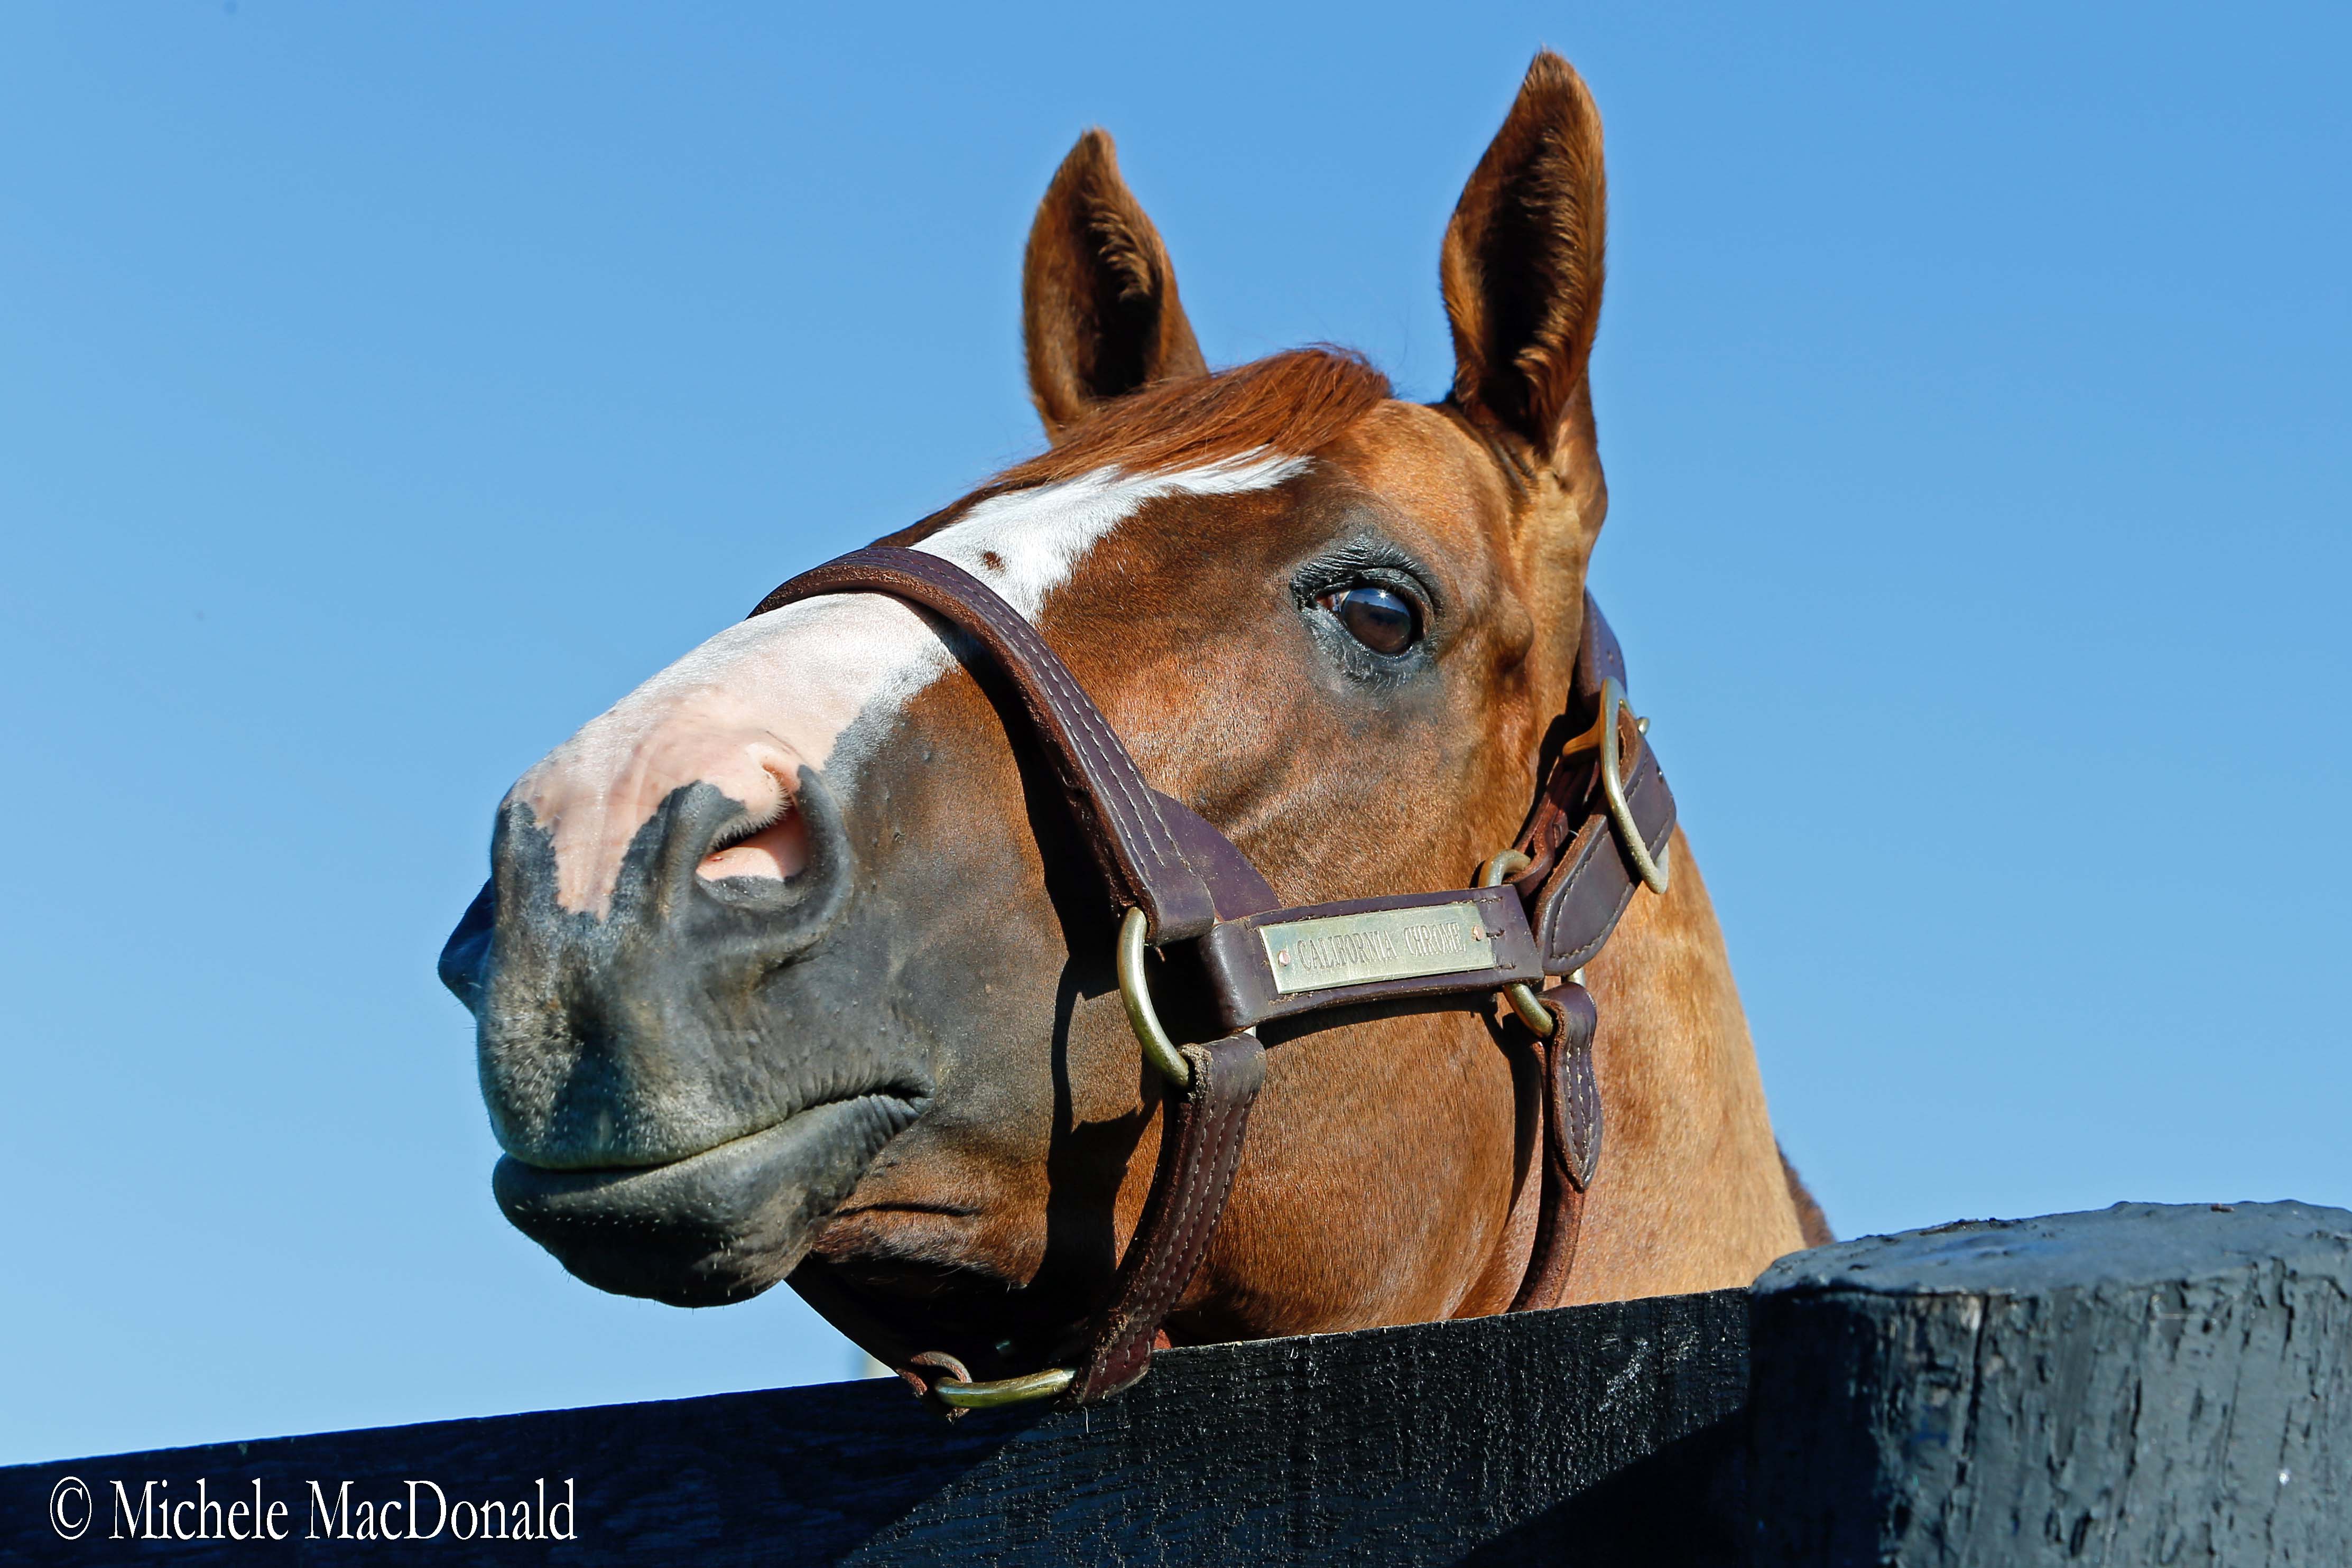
792, 965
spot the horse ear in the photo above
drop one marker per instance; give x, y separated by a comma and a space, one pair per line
1099, 315
1522, 264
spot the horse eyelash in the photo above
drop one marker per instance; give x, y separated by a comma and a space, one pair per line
1372, 563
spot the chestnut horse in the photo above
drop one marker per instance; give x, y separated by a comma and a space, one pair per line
791, 967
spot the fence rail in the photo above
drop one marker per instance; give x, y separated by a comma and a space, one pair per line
2137, 1385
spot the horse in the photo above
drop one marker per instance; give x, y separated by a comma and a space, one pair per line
793, 967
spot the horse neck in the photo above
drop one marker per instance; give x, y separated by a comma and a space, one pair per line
1690, 1193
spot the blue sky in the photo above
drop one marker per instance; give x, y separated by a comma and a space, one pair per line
383, 392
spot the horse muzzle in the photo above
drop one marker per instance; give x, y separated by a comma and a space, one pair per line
679, 1101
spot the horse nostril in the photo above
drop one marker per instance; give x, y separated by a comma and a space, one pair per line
778, 852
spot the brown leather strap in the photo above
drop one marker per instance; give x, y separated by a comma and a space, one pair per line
1155, 854
1117, 812
1571, 1108
1194, 884
1572, 1089
1200, 1148
1599, 655
1559, 1222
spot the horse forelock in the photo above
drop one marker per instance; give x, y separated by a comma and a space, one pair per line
1294, 404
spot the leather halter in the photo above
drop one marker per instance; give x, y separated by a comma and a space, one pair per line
1599, 829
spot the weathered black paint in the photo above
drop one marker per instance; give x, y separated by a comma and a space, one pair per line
1592, 1430
2142, 1385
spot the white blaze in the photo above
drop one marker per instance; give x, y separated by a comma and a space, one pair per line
749, 708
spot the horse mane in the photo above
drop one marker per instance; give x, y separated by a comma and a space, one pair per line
1292, 402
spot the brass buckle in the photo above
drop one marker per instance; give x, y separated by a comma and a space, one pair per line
1603, 735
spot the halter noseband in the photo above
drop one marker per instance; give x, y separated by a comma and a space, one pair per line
1543, 907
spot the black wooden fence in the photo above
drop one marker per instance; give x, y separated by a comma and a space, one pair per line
2140, 1385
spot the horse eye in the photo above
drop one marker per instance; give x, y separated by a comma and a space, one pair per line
1380, 621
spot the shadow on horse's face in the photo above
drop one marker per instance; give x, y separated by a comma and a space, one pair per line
790, 964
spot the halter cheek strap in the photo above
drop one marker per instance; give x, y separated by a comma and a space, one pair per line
1599, 830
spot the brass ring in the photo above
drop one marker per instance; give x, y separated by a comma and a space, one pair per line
1502, 868
1004, 1390
1141, 1017
1532, 1009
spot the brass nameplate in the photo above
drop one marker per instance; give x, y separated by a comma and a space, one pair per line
1379, 945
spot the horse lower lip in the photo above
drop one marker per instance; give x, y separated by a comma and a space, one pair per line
715, 1227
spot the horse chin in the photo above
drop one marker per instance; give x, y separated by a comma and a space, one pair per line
717, 1227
